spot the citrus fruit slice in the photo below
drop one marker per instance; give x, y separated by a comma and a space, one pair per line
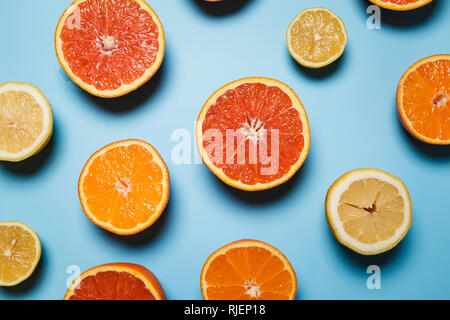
316, 37
368, 210
26, 121
423, 99
109, 48
20, 251
248, 270
116, 281
400, 5
253, 133
124, 187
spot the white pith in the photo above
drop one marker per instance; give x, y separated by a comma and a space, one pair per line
123, 186
107, 44
252, 289
253, 129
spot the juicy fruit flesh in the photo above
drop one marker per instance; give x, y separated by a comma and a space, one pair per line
401, 2
253, 111
247, 273
21, 121
317, 36
111, 285
371, 210
124, 186
17, 253
426, 99
109, 43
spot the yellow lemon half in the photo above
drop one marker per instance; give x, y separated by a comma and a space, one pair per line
368, 210
316, 37
26, 121
20, 251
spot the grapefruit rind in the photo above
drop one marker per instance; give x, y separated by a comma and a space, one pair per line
335, 224
218, 171
247, 243
162, 205
403, 118
37, 247
149, 279
309, 64
47, 128
126, 88
399, 7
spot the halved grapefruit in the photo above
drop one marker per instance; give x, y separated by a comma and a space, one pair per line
116, 281
401, 5
109, 48
253, 133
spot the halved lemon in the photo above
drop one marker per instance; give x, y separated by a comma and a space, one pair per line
26, 121
368, 210
316, 37
20, 251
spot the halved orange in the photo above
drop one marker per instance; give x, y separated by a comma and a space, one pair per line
253, 133
400, 5
124, 187
109, 48
423, 99
116, 281
248, 270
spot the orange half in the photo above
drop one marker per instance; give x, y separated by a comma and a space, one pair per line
248, 270
423, 99
116, 281
253, 133
124, 187
400, 5
109, 48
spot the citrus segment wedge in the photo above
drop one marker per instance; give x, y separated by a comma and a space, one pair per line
26, 121
20, 251
248, 270
316, 37
124, 187
253, 133
109, 48
401, 5
116, 281
368, 211
423, 99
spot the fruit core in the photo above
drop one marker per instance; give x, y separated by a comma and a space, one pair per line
440, 99
123, 186
252, 289
372, 209
253, 129
7, 252
107, 44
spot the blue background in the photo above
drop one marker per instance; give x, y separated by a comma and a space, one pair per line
352, 112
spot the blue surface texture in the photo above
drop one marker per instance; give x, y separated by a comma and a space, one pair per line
352, 113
